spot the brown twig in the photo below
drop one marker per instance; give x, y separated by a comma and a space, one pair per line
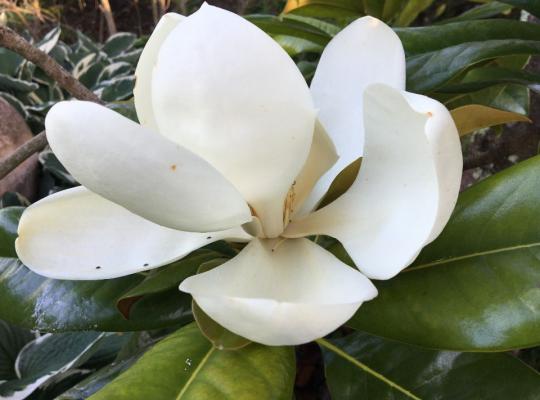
16, 158
155, 12
13, 41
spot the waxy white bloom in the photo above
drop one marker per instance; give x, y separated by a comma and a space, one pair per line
231, 141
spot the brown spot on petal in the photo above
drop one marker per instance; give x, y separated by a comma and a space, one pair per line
430, 114
173, 167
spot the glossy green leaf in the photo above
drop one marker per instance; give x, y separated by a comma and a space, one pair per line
35, 302
477, 286
294, 46
361, 366
480, 78
171, 275
472, 117
9, 220
390, 9
411, 10
46, 357
508, 97
40, 303
12, 340
487, 10
532, 6
437, 37
466, 44
294, 27
317, 24
307, 68
374, 7
426, 72
166, 278
191, 368
220, 337
463, 90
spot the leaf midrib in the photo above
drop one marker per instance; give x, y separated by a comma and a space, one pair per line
472, 255
365, 368
195, 373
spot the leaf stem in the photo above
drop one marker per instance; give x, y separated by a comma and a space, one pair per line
365, 368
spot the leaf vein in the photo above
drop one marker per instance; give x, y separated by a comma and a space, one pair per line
195, 373
365, 368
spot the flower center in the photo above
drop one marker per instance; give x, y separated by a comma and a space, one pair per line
288, 205
255, 228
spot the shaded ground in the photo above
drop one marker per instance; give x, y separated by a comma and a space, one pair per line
494, 150
137, 16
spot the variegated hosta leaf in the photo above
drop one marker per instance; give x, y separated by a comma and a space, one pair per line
47, 357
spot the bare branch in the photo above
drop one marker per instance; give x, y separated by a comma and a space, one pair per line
9, 163
13, 41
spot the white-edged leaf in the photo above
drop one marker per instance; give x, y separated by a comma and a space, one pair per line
48, 356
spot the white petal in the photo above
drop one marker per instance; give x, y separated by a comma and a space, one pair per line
367, 51
322, 156
226, 91
443, 138
406, 189
142, 171
281, 293
76, 234
142, 92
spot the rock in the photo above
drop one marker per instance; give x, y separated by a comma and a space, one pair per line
13, 133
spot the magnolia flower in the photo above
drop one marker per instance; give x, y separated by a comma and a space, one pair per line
233, 145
